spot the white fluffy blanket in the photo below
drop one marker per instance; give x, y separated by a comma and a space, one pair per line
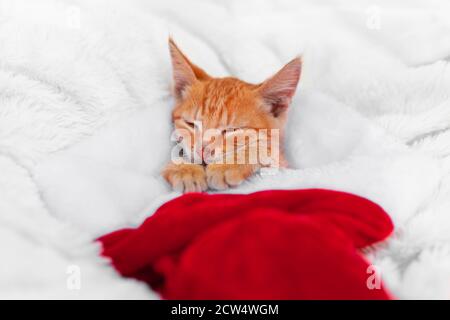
84, 124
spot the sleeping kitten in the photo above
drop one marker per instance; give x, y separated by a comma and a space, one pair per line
227, 129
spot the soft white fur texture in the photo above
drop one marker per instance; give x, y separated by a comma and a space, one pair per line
85, 124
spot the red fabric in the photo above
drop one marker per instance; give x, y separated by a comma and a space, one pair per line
299, 244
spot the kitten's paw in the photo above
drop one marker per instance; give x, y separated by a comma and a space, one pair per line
186, 177
222, 176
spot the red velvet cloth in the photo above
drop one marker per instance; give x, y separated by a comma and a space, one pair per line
299, 244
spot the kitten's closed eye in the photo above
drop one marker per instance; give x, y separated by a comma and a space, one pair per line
190, 124
232, 131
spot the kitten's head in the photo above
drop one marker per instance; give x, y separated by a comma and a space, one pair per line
229, 105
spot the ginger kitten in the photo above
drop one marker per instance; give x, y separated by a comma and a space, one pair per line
226, 129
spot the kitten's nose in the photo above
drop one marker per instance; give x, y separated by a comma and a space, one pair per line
204, 149
208, 154
200, 153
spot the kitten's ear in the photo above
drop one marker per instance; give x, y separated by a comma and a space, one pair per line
278, 90
185, 73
